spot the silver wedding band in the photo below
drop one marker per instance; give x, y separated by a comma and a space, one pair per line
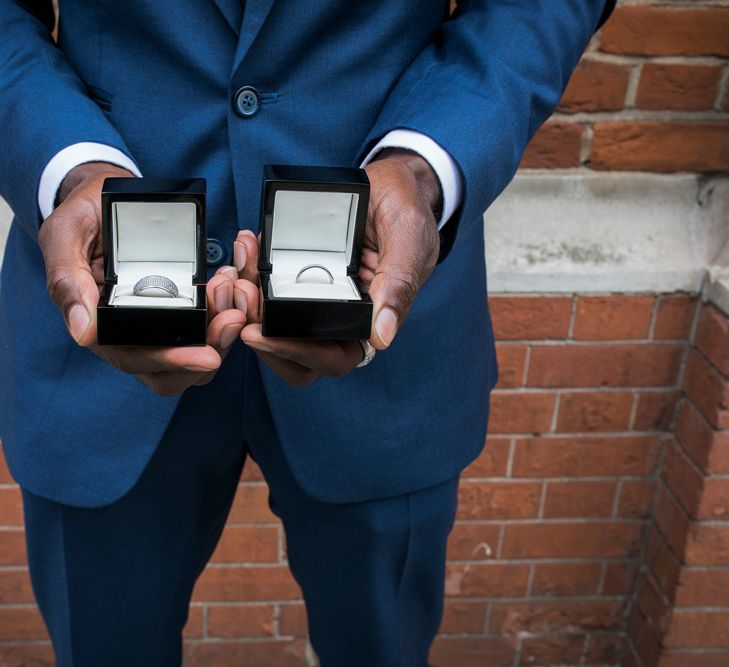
368, 353
157, 283
315, 266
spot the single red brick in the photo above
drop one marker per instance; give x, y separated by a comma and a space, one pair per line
707, 448
471, 652
708, 544
655, 410
493, 459
672, 521
699, 658
596, 86
512, 359
473, 541
27, 655
619, 578
684, 481
660, 146
579, 499
552, 649
636, 498
15, 588
642, 638
553, 616
594, 411
664, 31
11, 507
232, 621
571, 540
498, 500
714, 503
612, 317
703, 588
193, 628
555, 146
486, 579
674, 317
251, 471
585, 456
698, 629
460, 617
21, 624
270, 653
707, 389
655, 608
566, 578
223, 583
621, 365
662, 562
292, 621
251, 505
521, 412
12, 547
678, 87
530, 317
712, 337
246, 544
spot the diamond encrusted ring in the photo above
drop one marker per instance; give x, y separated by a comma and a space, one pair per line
368, 353
155, 286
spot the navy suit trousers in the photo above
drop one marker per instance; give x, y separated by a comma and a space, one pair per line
114, 583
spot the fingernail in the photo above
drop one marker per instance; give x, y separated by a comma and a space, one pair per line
229, 335
250, 233
240, 300
240, 256
386, 325
221, 298
78, 321
230, 271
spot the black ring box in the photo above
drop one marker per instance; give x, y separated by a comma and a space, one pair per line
313, 216
153, 226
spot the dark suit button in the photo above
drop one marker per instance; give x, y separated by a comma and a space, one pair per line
215, 251
246, 101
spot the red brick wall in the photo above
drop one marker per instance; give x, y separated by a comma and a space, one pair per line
594, 529
650, 94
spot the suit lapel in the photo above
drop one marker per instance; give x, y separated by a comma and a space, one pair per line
232, 11
254, 16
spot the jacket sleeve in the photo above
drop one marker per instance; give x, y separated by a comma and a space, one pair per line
493, 74
44, 106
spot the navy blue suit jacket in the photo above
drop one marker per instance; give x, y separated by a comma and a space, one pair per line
156, 80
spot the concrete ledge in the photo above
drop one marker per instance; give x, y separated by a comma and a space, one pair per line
613, 232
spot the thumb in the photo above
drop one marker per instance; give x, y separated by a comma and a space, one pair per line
66, 245
392, 291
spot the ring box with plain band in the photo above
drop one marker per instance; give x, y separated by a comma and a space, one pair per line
153, 229
312, 230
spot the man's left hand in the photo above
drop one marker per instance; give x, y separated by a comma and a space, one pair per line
400, 251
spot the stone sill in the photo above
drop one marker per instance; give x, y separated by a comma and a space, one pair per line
585, 231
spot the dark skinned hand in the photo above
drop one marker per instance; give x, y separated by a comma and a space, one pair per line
400, 251
71, 242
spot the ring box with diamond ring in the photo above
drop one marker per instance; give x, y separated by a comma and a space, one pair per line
155, 264
312, 230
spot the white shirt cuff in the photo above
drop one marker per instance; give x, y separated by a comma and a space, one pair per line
69, 158
439, 159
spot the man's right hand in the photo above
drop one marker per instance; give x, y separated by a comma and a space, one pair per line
71, 242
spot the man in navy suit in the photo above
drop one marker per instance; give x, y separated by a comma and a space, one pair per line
129, 458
